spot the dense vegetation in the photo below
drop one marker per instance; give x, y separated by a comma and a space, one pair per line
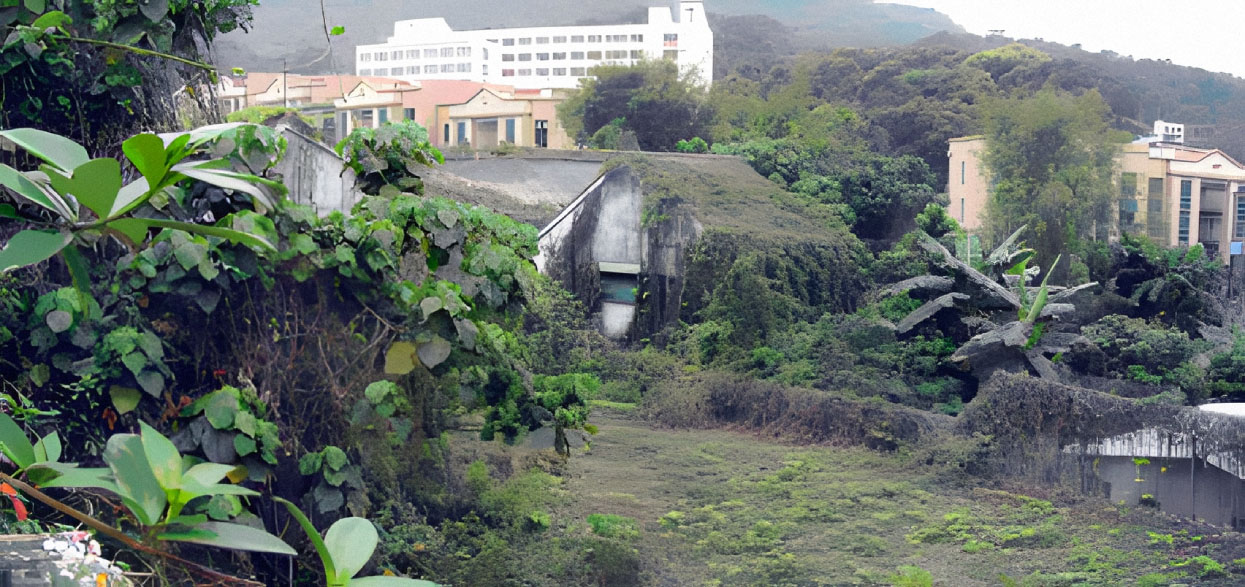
242, 373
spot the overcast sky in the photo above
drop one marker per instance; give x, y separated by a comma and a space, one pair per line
1203, 33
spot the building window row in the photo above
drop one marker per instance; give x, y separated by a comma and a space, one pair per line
415, 69
637, 38
546, 72
578, 55
413, 54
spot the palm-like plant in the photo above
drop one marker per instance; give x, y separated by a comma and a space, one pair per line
83, 199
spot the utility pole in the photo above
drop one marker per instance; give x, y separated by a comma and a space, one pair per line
285, 86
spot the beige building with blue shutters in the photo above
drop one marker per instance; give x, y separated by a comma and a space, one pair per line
1176, 194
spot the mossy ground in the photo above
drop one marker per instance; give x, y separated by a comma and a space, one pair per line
724, 508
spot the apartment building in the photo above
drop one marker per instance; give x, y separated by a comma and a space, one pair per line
460, 113
234, 93
1176, 194
539, 57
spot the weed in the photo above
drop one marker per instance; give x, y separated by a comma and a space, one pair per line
614, 526
910, 576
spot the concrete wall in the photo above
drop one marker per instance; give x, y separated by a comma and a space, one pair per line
313, 173
601, 225
1182, 487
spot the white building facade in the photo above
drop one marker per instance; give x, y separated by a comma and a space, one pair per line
539, 57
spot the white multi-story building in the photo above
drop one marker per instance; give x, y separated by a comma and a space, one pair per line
539, 57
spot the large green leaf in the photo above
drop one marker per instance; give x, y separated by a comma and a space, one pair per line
124, 399
351, 541
165, 460
48, 448
53, 19
131, 196
1039, 301
23, 186
32, 246
14, 443
51, 474
136, 482
55, 149
146, 152
326, 558
391, 582
233, 536
208, 474
95, 184
217, 231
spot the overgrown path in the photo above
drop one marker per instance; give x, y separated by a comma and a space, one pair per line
722, 506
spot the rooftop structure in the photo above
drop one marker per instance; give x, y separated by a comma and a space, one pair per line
539, 57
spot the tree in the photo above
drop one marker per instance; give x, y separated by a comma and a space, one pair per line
95, 71
660, 104
1052, 157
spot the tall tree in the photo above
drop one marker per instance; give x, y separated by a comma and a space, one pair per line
656, 101
1051, 157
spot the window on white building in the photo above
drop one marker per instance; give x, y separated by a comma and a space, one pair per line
621, 54
382, 56
637, 54
397, 55
527, 41
365, 72
525, 72
577, 54
577, 38
365, 57
484, 69
559, 39
559, 71
594, 55
447, 68
542, 57
507, 56
486, 53
464, 67
525, 56
671, 54
412, 70
542, 40
412, 53
594, 38
507, 73
559, 56
578, 71
507, 42
670, 39
447, 51
430, 53
430, 69
542, 71
615, 38
464, 52
637, 38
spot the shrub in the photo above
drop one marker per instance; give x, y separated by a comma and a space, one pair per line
696, 145
614, 526
911, 576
